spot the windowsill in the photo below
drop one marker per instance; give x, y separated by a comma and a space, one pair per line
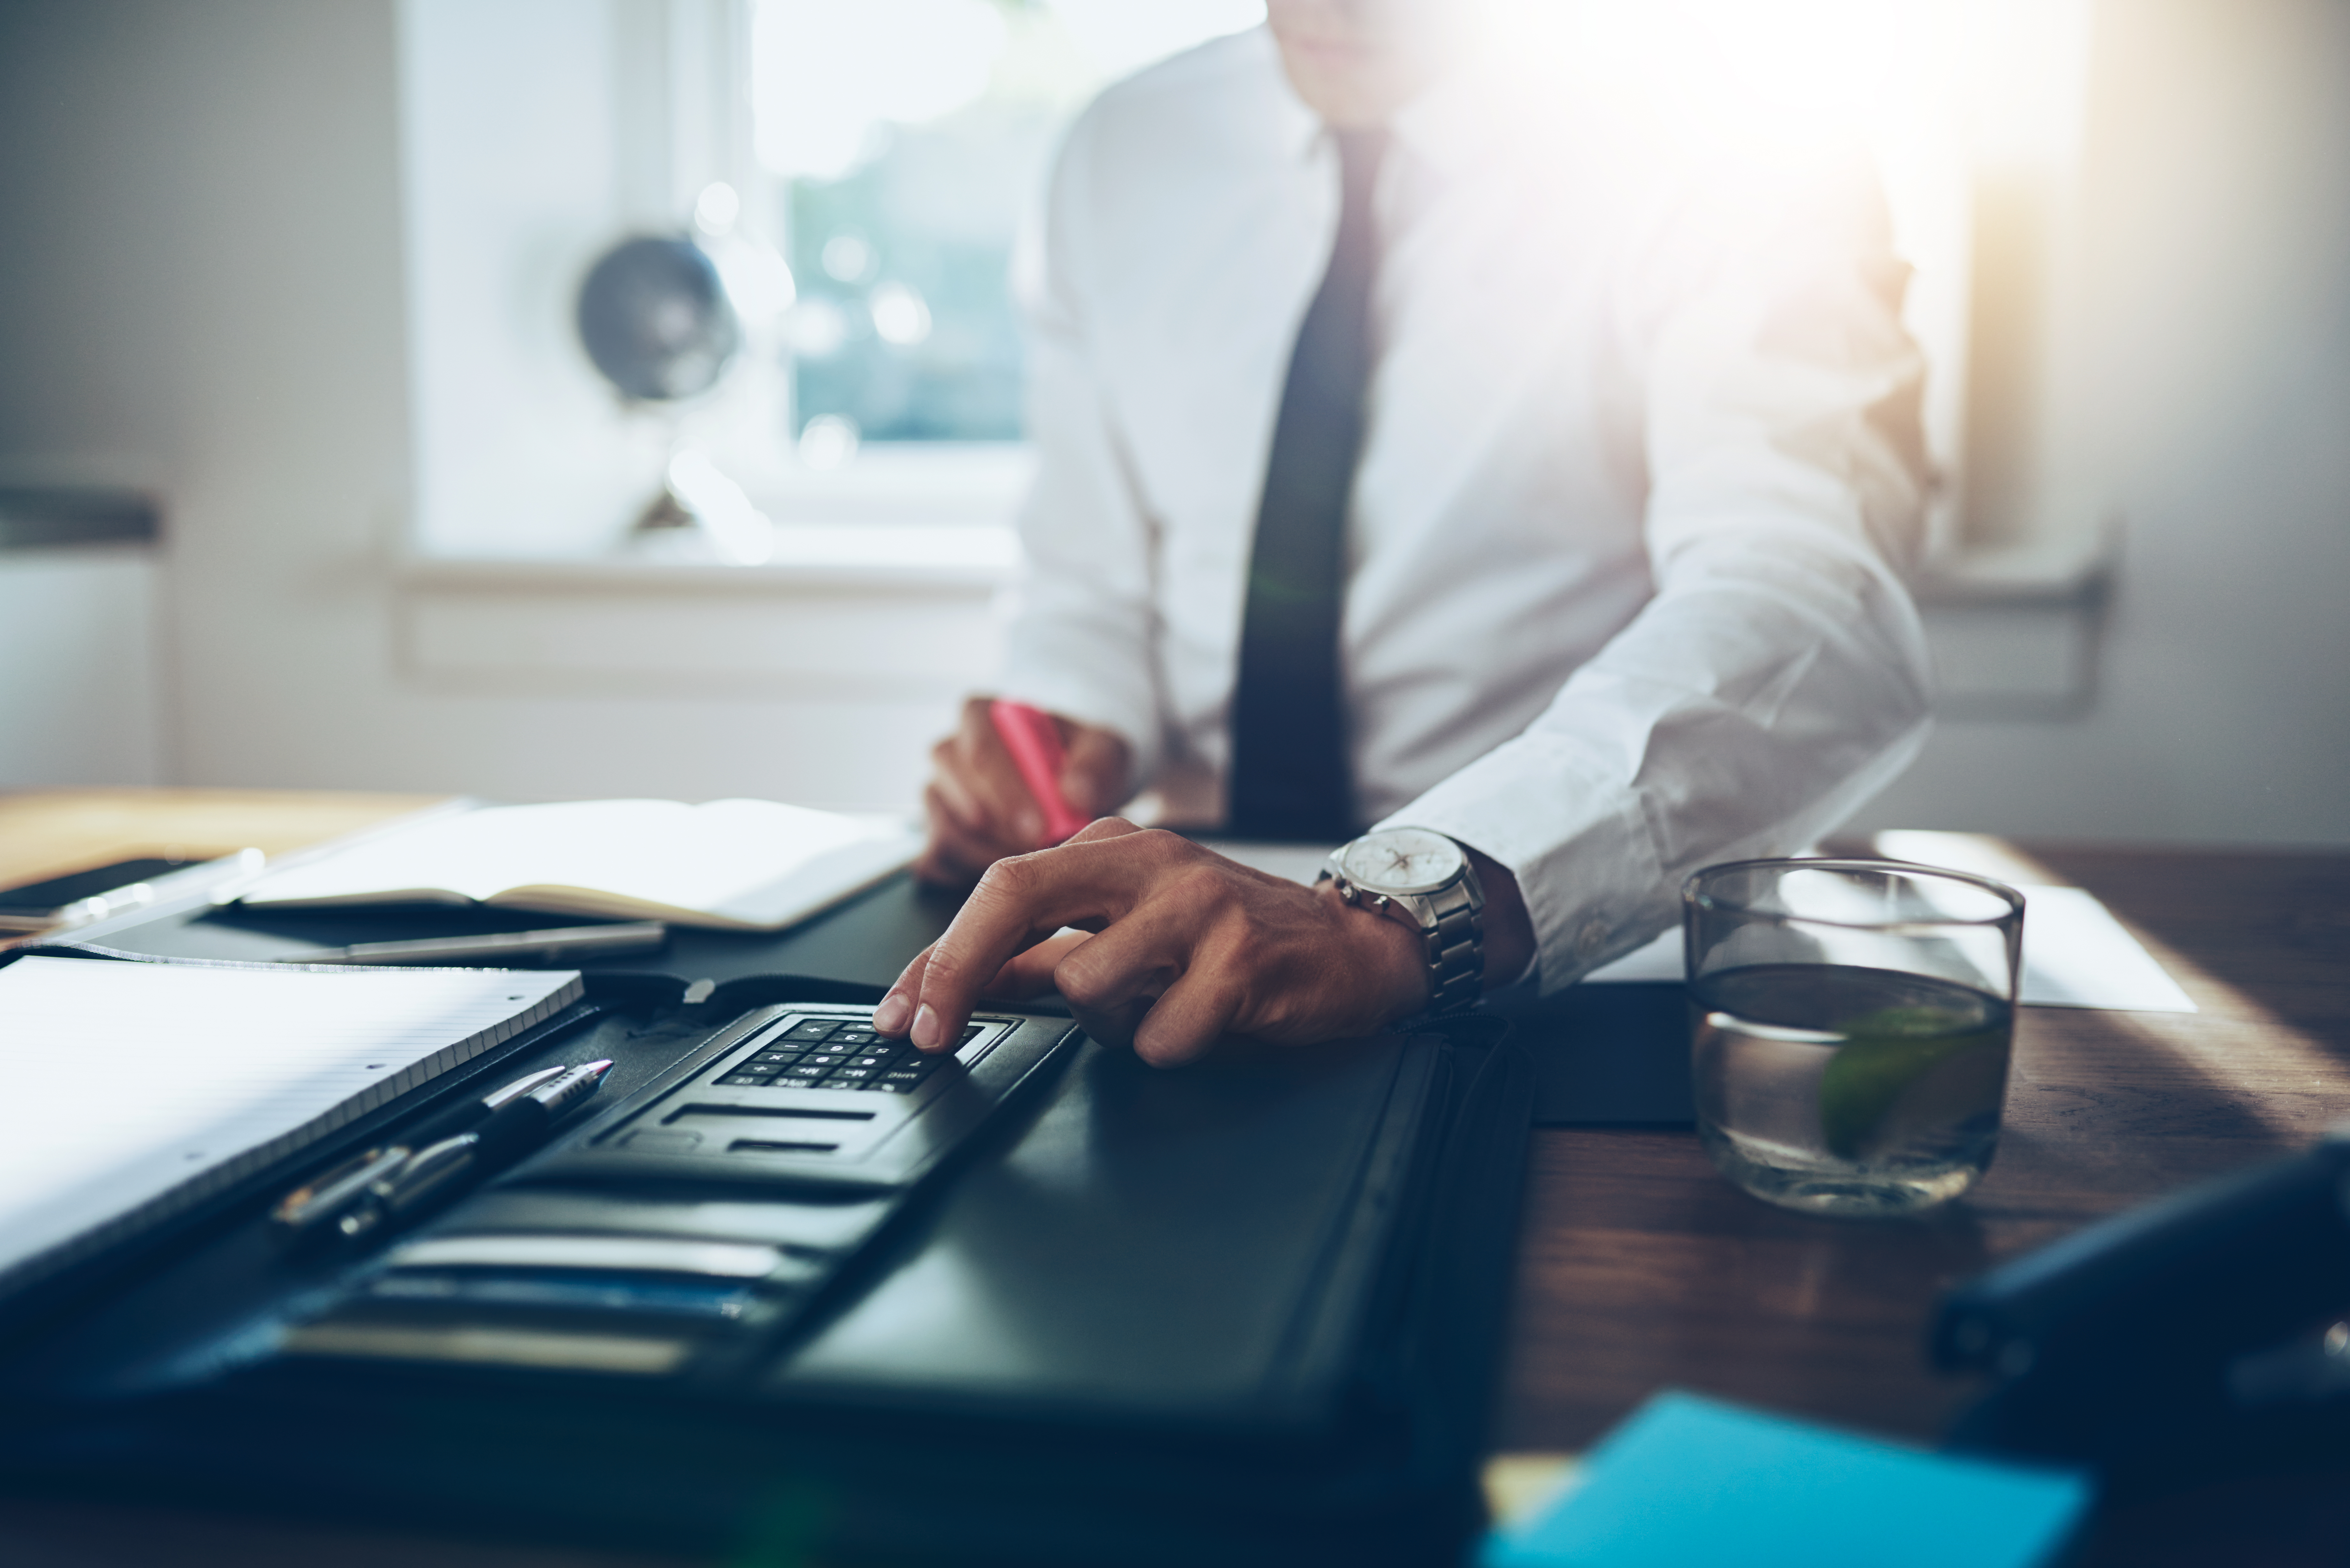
926, 518
2015, 632
856, 613
906, 608
921, 559
984, 556
2068, 571
954, 484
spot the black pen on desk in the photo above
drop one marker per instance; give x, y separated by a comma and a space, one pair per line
441, 1168
311, 1208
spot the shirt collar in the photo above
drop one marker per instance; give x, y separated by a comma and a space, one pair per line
1450, 128
1297, 130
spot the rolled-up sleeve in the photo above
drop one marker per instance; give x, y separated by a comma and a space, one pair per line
1779, 676
1082, 615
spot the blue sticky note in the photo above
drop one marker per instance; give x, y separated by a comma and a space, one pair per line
1691, 1480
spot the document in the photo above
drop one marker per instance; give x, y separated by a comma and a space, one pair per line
2075, 954
137, 1090
727, 865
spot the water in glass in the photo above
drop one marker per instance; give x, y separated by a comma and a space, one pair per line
1838, 1089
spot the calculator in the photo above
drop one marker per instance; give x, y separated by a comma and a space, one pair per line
811, 1095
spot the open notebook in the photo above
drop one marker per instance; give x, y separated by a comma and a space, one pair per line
135, 1091
732, 864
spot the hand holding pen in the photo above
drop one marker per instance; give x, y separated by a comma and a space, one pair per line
387, 1185
998, 789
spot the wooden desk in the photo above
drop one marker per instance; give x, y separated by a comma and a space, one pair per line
1642, 1268
49, 833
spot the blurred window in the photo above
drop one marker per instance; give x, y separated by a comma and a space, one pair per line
904, 142
860, 169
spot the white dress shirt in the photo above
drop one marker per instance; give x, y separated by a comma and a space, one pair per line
1638, 477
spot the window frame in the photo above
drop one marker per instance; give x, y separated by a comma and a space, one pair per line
2013, 518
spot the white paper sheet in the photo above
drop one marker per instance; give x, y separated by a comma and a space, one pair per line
2075, 954
134, 1090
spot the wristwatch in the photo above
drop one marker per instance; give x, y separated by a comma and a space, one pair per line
1423, 879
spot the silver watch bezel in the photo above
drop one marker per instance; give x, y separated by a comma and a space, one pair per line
1448, 915
1342, 868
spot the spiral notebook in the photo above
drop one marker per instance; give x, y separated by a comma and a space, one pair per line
135, 1091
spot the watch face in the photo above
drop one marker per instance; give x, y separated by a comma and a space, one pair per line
1401, 860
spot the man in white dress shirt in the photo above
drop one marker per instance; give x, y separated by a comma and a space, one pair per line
1615, 594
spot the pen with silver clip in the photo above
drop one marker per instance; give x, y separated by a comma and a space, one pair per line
323, 1206
437, 1169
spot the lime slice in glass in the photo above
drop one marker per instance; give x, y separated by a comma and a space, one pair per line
1905, 1071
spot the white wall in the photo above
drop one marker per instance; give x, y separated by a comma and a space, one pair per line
2214, 355
201, 290
78, 649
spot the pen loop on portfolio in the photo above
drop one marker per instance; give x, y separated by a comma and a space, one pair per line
388, 1184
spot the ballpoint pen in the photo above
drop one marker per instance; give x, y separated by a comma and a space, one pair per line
322, 1201
500, 947
439, 1168
1035, 743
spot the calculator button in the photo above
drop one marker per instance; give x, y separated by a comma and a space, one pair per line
872, 1061
883, 1086
856, 1037
814, 1029
848, 1076
805, 1073
910, 1075
746, 1081
831, 1048
778, 1058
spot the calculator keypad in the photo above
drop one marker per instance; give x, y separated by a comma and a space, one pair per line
843, 1054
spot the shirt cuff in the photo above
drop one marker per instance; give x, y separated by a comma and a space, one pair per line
1578, 843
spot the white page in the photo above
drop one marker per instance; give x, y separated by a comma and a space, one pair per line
762, 862
135, 1089
477, 853
2075, 954
766, 862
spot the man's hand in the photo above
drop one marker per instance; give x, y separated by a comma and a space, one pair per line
981, 811
1191, 946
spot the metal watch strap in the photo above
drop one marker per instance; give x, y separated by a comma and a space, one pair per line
1453, 928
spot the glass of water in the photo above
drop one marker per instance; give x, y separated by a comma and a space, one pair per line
1849, 1027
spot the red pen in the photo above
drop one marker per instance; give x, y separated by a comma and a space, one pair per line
1035, 743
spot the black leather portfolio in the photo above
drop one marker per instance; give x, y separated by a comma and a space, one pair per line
1245, 1311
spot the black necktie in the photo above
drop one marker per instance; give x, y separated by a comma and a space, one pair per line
1290, 777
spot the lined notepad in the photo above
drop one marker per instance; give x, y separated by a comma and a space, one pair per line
136, 1090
